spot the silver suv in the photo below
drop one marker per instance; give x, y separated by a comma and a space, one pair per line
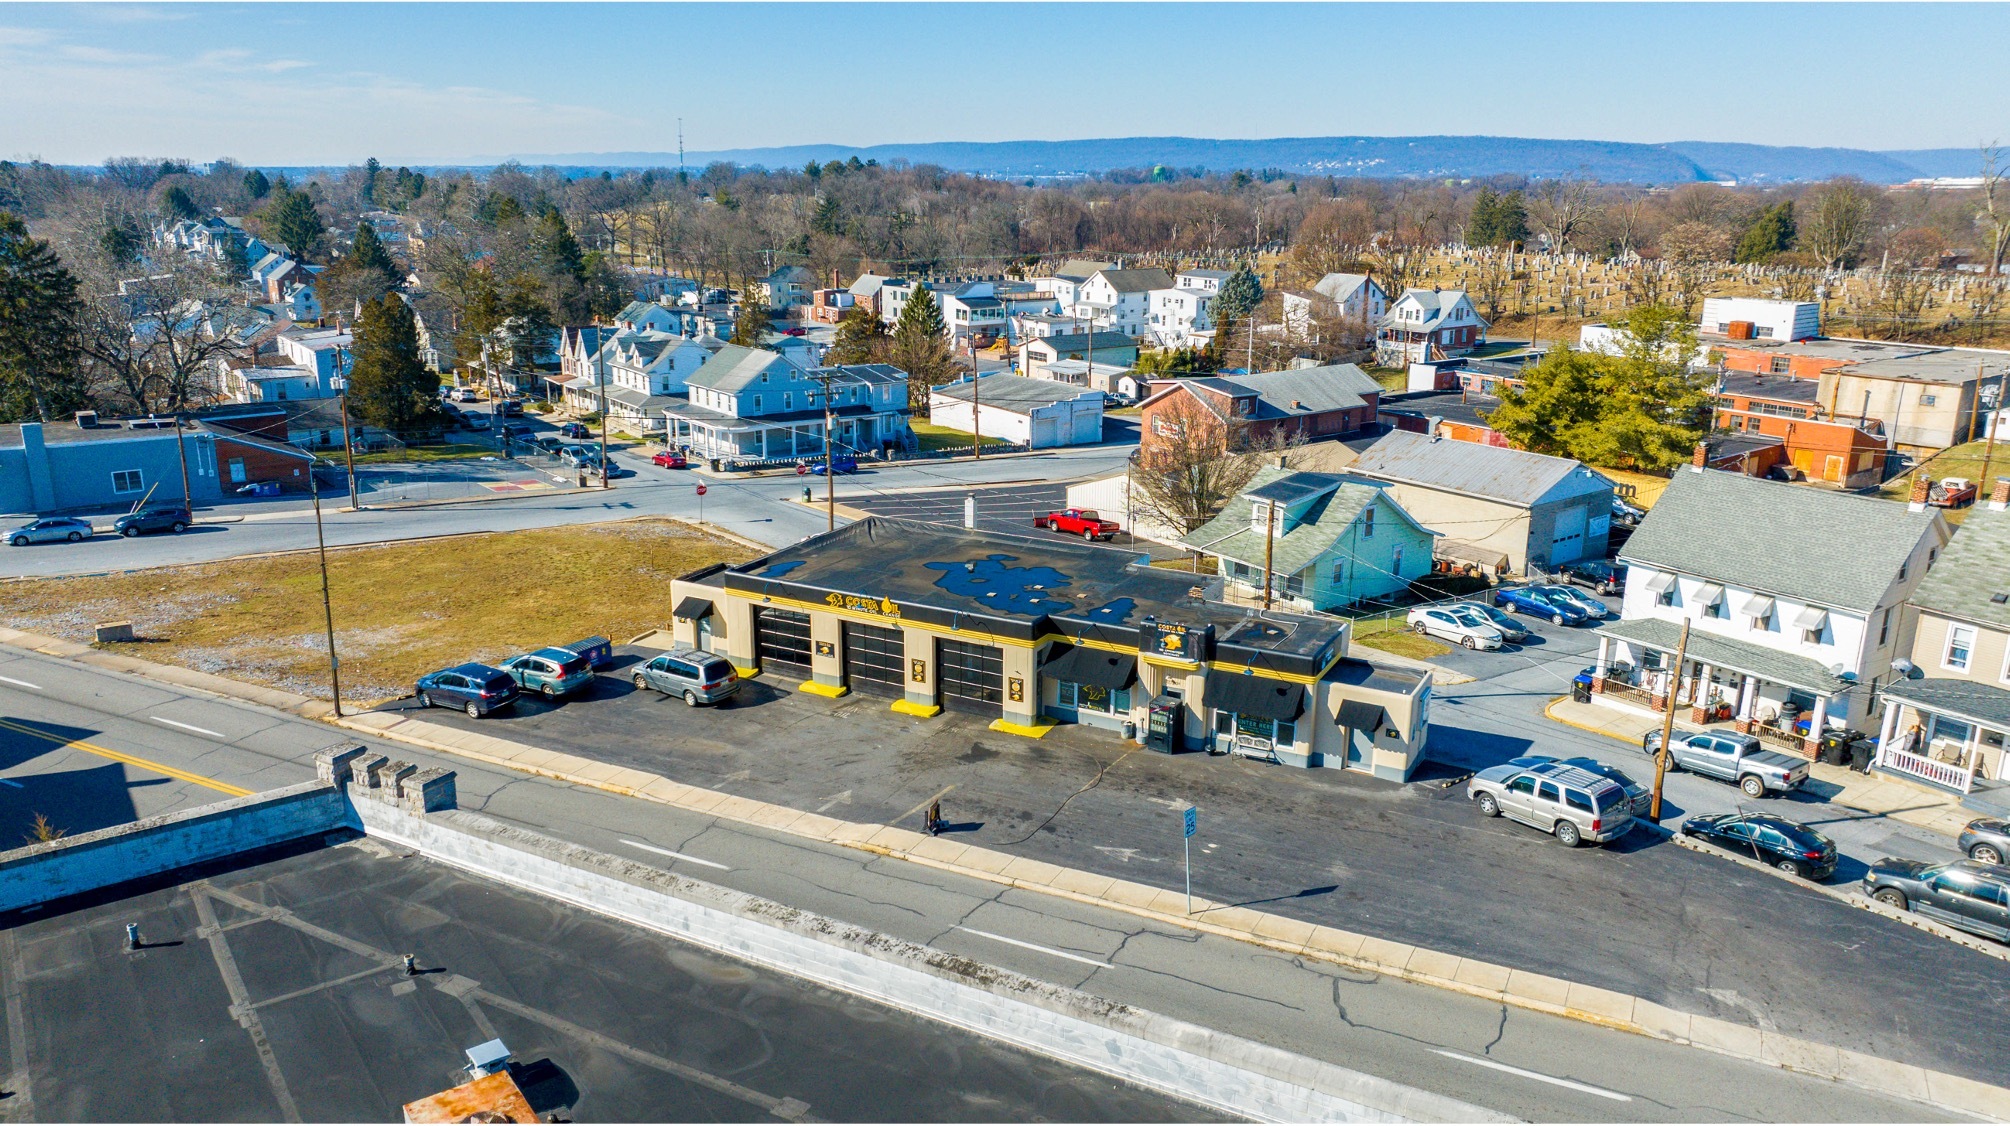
1571, 804
698, 677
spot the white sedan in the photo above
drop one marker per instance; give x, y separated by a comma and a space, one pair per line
1457, 625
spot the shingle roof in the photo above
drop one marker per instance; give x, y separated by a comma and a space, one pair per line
1013, 392
1081, 269
1828, 548
733, 367
1064, 343
865, 285
1230, 534
1339, 288
1966, 699
1495, 473
1137, 281
1300, 391
1438, 302
1972, 572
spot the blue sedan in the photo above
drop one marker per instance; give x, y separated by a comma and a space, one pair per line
1539, 604
475, 688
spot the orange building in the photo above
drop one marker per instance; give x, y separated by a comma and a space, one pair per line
1847, 451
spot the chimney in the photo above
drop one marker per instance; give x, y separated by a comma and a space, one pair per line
1920, 488
1701, 459
1999, 497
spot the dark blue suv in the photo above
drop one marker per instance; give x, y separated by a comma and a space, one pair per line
474, 688
1539, 604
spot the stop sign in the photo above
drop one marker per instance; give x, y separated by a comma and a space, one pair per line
701, 490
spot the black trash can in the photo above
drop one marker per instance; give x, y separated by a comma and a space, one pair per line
1861, 752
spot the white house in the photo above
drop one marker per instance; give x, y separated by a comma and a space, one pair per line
1037, 413
1182, 316
642, 373
1114, 380
1120, 300
318, 355
1352, 298
1779, 627
1429, 324
1065, 283
1769, 320
751, 405
787, 287
972, 309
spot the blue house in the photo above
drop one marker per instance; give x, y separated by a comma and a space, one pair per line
1333, 540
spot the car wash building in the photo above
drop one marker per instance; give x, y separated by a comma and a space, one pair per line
1033, 633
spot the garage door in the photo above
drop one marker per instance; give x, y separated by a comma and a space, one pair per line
1046, 432
1567, 542
873, 656
972, 677
782, 637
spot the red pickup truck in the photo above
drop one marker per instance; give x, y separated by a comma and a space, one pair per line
1083, 522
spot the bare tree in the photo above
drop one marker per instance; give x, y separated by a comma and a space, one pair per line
155, 343
1837, 221
1995, 217
1693, 252
1187, 465
1898, 300
1562, 208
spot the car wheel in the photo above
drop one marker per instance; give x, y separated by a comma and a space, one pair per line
1557, 619
641, 681
474, 710
178, 528
425, 701
73, 537
1419, 630
1567, 834
1987, 854
129, 533
1089, 534
550, 692
1790, 868
690, 698
1488, 807
1470, 643
1891, 897
20, 541
1753, 785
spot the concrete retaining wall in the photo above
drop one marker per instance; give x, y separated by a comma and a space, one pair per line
1153, 1051
154, 845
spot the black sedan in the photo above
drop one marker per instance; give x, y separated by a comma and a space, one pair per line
154, 518
1787, 845
1986, 839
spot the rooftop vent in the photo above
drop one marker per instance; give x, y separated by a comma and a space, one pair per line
1999, 598
87, 419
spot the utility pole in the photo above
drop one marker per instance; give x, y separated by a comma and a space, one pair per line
327, 607
181, 448
976, 435
342, 398
1269, 531
1668, 720
600, 364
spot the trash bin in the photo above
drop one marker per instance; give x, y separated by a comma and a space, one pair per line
1130, 732
1580, 690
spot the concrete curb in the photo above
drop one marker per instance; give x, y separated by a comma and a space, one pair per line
1520, 988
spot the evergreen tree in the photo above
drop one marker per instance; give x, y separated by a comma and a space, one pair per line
389, 386
1770, 234
1485, 218
364, 274
1241, 292
828, 219
557, 253
176, 203
861, 337
752, 324
369, 186
1511, 220
921, 346
256, 185
40, 376
291, 219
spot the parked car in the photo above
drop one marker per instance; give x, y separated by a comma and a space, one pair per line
1951, 492
1986, 839
549, 443
51, 530
577, 456
1787, 845
519, 430
1511, 631
466, 395
1467, 629
475, 421
1084, 522
510, 408
793, 331
474, 688
550, 672
1536, 604
1965, 894
1594, 609
1641, 797
1603, 577
671, 459
1570, 804
841, 463
1732, 758
154, 518
1627, 514
574, 430
697, 677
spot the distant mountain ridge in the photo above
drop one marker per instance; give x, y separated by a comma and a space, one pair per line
1397, 157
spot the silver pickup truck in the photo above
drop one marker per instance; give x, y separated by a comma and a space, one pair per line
1733, 758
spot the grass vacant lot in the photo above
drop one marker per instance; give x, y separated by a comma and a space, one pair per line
1391, 635
935, 437
452, 451
400, 609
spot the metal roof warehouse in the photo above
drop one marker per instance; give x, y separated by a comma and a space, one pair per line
1034, 632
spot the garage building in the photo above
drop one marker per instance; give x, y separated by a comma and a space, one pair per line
1037, 632
1037, 413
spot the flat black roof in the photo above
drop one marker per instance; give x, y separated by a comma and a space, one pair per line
1016, 586
1771, 387
1456, 406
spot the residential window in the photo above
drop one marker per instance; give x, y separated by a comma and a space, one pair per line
1811, 636
1927, 400
1339, 571
1368, 523
126, 481
757, 401
788, 401
1717, 609
1884, 629
1396, 560
1960, 647
1666, 598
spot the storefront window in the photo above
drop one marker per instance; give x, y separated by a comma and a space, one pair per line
1280, 732
1094, 698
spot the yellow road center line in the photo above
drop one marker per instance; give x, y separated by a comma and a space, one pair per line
129, 760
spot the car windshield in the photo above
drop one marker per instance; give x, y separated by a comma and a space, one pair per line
497, 683
715, 670
573, 667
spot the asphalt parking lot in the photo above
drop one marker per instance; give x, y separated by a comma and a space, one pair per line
1009, 509
1411, 862
274, 992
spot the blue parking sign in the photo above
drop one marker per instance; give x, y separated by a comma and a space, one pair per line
1192, 816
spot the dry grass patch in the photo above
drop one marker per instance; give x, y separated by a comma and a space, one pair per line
400, 609
1393, 635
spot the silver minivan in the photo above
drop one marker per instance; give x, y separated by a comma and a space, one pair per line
1571, 804
698, 677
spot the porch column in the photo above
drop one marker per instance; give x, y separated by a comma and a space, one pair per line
1699, 695
1604, 663
1816, 724
1886, 727
764, 442
1748, 695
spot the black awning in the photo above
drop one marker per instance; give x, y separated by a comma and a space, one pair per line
1361, 715
692, 607
1245, 694
1083, 665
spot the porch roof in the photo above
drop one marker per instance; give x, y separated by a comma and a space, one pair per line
1725, 653
1963, 699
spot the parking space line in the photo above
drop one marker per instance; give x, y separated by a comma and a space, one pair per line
678, 855
22, 683
130, 760
1031, 946
189, 727
1536, 1075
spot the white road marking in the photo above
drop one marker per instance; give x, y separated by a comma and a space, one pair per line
190, 727
22, 683
11, 782
1537, 1076
1031, 946
836, 799
678, 855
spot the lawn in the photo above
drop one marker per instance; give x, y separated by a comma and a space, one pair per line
935, 437
1392, 380
400, 609
1965, 460
452, 451
1391, 635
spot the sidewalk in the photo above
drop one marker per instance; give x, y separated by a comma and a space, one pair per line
1870, 793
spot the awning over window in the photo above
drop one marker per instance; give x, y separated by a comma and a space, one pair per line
1245, 694
1083, 665
1361, 715
1761, 606
692, 607
1661, 584
1811, 617
1709, 594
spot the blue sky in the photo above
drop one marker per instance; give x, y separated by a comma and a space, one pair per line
334, 83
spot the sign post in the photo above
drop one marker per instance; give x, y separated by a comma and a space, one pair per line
1190, 818
701, 502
